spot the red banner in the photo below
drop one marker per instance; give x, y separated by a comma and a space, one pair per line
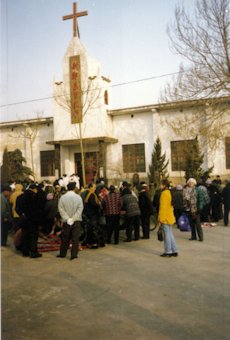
75, 89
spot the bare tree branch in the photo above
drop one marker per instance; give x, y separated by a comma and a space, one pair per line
202, 38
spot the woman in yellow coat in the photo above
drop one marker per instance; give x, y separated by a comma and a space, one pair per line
166, 219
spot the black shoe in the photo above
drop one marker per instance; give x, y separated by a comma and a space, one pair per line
60, 256
127, 240
26, 254
166, 255
192, 239
175, 254
73, 257
33, 256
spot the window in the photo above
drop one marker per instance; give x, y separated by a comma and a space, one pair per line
227, 152
133, 158
178, 154
47, 159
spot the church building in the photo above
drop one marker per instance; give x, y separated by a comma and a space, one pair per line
85, 136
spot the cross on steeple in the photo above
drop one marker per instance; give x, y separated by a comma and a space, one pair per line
74, 16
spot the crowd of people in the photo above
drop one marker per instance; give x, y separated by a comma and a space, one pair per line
93, 217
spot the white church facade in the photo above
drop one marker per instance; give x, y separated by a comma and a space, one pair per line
115, 143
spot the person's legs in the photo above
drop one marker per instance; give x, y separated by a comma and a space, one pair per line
145, 222
199, 228
136, 223
173, 241
226, 213
116, 225
4, 232
65, 237
33, 238
192, 225
167, 239
109, 229
75, 232
129, 226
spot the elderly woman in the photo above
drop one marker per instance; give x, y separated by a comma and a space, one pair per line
194, 203
166, 219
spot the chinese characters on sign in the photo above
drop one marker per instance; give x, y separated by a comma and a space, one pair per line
75, 89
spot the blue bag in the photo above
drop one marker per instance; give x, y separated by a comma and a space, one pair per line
183, 223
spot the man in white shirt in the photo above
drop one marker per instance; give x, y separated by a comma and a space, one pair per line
70, 207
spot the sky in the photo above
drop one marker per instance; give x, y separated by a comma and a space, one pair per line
128, 38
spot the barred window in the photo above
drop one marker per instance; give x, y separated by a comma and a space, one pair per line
133, 158
179, 151
47, 159
227, 152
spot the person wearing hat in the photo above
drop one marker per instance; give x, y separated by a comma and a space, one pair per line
111, 205
146, 209
6, 216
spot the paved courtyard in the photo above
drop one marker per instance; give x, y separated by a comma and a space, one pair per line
121, 292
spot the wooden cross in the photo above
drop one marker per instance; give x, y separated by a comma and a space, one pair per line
74, 16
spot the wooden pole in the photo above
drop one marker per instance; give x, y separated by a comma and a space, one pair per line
82, 156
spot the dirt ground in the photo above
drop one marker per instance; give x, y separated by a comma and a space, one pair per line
124, 291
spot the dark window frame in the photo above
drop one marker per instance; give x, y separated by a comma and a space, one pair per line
133, 156
47, 163
178, 153
227, 152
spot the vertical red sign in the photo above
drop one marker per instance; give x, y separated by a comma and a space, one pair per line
75, 89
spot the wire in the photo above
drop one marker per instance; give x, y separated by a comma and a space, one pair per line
145, 79
115, 85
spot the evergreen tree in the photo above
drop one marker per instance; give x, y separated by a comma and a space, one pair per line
158, 166
5, 168
12, 168
194, 160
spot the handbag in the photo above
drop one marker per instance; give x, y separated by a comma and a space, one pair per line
160, 234
183, 223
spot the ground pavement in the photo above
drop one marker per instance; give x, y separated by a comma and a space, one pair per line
121, 292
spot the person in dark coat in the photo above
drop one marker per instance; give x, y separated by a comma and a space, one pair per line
178, 202
30, 206
216, 201
226, 202
51, 211
94, 233
146, 209
132, 216
6, 216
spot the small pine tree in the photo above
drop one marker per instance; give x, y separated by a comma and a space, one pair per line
12, 168
5, 168
194, 160
158, 166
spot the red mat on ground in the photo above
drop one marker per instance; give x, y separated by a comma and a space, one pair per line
50, 244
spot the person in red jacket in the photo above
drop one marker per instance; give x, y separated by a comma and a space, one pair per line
111, 205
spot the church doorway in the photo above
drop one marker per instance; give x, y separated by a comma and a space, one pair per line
91, 166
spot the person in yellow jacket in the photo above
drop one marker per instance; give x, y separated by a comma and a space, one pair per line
13, 198
166, 220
